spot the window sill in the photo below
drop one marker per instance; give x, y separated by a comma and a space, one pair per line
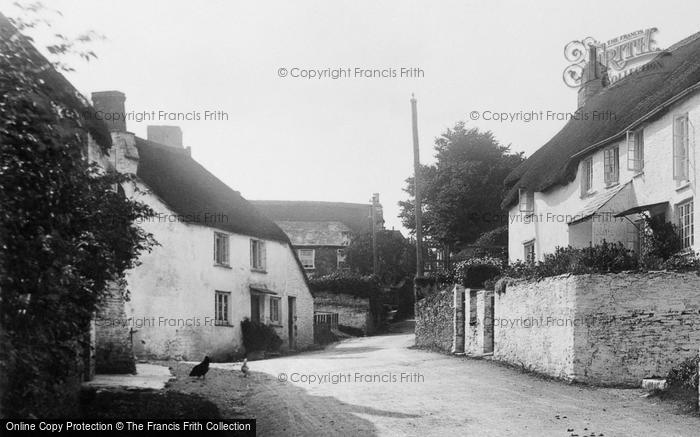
258, 270
276, 325
684, 185
223, 324
612, 184
638, 174
226, 266
588, 194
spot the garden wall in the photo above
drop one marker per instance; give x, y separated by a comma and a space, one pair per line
435, 320
613, 329
354, 312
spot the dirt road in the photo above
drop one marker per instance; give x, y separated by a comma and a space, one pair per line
383, 387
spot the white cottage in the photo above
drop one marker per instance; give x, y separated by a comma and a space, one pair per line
629, 151
219, 260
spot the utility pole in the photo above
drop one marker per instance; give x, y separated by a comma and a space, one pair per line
375, 261
417, 183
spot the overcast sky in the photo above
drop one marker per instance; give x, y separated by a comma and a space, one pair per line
341, 140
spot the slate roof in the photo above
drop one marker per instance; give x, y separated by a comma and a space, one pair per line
355, 216
316, 233
637, 98
596, 202
191, 191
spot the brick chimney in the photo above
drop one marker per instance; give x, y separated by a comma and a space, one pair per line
109, 107
594, 77
167, 135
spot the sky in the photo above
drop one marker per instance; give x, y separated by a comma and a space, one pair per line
302, 138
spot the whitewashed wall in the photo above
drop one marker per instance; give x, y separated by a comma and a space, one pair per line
654, 184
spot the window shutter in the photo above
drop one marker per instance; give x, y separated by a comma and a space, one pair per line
252, 253
226, 249
263, 256
215, 247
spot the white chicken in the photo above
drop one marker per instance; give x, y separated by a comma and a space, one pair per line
244, 367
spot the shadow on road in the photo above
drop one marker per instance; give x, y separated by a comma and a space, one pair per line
283, 409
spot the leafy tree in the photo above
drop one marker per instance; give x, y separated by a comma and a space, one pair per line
396, 256
67, 232
463, 190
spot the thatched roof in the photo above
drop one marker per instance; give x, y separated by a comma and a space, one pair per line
191, 191
53, 84
640, 97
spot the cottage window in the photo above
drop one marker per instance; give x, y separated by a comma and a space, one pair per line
221, 249
635, 150
527, 200
275, 309
341, 259
257, 255
680, 148
221, 307
529, 251
307, 258
685, 224
611, 162
586, 176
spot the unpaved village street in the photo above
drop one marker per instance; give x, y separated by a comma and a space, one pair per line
451, 396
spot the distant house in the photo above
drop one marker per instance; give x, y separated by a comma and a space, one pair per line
631, 152
320, 231
219, 259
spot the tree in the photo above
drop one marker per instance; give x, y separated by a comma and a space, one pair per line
396, 256
67, 231
463, 190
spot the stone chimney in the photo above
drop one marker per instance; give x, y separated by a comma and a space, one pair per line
594, 77
109, 107
167, 135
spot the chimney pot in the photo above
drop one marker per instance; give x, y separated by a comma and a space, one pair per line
167, 135
109, 106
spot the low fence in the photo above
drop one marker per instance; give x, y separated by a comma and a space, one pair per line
329, 319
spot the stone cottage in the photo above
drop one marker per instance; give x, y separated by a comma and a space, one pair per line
219, 260
320, 231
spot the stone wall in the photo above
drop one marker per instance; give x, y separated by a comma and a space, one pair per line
113, 347
435, 326
353, 312
478, 322
611, 329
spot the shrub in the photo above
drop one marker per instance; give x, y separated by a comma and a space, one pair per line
601, 258
684, 376
259, 337
661, 242
347, 283
475, 272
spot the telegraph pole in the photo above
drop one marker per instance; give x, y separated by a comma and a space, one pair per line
375, 261
416, 183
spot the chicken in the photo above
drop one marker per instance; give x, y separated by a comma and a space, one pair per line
201, 369
244, 367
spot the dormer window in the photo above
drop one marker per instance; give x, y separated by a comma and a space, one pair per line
527, 200
586, 176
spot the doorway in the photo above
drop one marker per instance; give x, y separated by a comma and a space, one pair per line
292, 321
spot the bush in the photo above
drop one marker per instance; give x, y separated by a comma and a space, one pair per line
476, 272
684, 376
601, 258
347, 283
259, 337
